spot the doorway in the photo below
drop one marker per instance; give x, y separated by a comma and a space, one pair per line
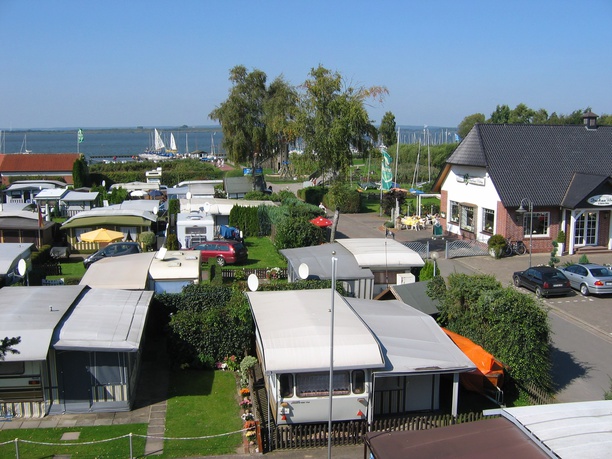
585, 232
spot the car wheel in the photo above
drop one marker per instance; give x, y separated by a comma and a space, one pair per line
584, 290
517, 281
221, 261
538, 292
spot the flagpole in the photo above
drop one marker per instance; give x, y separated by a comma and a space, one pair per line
78, 142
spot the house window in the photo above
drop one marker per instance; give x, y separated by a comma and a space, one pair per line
540, 223
488, 220
454, 212
358, 382
467, 218
286, 385
317, 384
12, 368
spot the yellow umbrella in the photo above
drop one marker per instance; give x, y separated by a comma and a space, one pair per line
101, 235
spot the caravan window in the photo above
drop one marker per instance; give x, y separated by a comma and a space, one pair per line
358, 382
317, 384
286, 385
12, 368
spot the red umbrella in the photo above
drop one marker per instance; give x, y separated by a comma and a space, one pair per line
322, 222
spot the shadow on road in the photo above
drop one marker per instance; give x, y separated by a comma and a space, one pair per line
565, 369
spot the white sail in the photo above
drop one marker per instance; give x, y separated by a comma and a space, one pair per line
172, 143
159, 143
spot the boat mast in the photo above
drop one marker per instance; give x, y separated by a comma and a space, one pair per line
396, 155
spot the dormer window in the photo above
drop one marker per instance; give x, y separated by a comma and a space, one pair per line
590, 120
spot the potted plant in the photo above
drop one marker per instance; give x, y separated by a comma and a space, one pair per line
497, 245
560, 242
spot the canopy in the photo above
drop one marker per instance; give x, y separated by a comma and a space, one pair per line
321, 222
101, 235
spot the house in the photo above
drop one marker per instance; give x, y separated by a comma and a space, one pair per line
79, 349
568, 430
131, 222
237, 187
24, 191
388, 358
49, 198
37, 165
10, 256
366, 266
529, 182
413, 294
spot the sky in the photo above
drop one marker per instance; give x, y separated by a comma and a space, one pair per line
153, 63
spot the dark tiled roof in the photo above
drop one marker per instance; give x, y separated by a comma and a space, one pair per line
537, 162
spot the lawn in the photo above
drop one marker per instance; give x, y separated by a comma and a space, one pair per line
72, 268
200, 404
262, 254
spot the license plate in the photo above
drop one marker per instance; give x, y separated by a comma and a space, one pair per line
608, 283
557, 285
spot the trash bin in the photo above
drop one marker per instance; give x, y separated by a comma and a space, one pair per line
437, 230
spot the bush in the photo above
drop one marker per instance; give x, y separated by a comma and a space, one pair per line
561, 237
343, 198
172, 242
497, 244
297, 232
148, 239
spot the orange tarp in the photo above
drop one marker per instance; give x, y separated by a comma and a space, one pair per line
488, 367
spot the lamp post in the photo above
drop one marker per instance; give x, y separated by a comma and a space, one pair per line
521, 210
434, 257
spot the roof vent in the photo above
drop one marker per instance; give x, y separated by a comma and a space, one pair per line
590, 120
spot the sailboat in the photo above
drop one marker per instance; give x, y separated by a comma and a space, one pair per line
24, 145
172, 148
158, 151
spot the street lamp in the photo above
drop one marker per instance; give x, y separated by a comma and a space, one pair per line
521, 210
434, 257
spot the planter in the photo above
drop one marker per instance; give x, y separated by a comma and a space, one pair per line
560, 248
496, 252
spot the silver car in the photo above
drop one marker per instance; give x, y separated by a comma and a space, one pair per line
589, 278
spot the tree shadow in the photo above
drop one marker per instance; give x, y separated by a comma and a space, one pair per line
565, 369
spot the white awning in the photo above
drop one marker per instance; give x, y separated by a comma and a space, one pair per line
32, 313
294, 329
377, 253
129, 272
106, 320
412, 340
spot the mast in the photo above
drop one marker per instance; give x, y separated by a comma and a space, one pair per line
397, 155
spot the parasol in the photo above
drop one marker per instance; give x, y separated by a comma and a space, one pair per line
321, 222
101, 235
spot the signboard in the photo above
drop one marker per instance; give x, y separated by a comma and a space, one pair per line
480, 181
600, 200
247, 171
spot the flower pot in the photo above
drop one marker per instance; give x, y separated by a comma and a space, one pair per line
496, 252
560, 248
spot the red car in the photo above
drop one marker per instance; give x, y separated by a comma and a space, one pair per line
226, 252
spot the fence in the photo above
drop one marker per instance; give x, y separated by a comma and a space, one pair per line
261, 273
422, 248
465, 248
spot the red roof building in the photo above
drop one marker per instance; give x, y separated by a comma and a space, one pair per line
37, 165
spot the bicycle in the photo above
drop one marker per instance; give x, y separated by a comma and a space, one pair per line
517, 247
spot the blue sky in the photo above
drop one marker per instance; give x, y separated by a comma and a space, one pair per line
166, 63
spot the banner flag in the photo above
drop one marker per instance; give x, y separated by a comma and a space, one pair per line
80, 135
40, 217
386, 176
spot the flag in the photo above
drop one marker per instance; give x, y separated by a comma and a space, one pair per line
80, 135
40, 217
386, 175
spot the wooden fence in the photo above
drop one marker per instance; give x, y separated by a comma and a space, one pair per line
261, 273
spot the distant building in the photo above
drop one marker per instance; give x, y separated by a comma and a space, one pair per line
52, 165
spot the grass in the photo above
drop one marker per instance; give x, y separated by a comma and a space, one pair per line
262, 254
72, 268
111, 450
200, 404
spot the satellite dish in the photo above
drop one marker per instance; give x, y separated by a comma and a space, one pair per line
188, 195
303, 271
21, 267
207, 207
253, 282
155, 210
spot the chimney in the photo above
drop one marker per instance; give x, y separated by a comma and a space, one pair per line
590, 120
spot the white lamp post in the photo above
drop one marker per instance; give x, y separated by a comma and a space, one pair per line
521, 210
434, 257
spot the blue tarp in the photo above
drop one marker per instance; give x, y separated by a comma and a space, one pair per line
227, 232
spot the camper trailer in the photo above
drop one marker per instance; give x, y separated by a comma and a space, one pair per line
293, 335
194, 228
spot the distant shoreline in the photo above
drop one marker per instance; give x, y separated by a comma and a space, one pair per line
114, 129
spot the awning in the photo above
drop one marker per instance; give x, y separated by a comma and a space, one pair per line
110, 220
129, 272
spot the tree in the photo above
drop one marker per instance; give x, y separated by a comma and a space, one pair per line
333, 119
388, 129
80, 173
241, 115
280, 109
501, 115
6, 346
468, 123
521, 115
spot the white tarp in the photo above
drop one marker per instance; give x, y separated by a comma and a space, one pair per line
294, 328
377, 253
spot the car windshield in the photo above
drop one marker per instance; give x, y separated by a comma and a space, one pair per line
554, 277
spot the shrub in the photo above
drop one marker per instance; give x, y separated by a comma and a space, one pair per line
497, 244
344, 198
561, 237
148, 239
172, 242
297, 232
427, 271
583, 259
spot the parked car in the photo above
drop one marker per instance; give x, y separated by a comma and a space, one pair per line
226, 252
589, 278
113, 250
543, 280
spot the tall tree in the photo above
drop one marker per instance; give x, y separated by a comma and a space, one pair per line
388, 129
521, 114
80, 173
333, 119
468, 123
501, 115
280, 108
241, 115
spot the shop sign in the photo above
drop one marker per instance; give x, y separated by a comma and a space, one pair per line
480, 181
601, 200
